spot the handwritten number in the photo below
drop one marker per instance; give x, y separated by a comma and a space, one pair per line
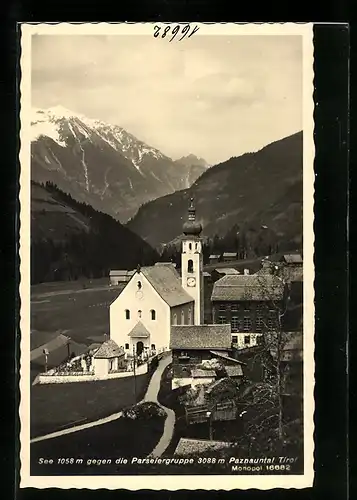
185, 31
166, 30
175, 31
193, 32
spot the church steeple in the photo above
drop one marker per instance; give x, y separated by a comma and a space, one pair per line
192, 263
191, 227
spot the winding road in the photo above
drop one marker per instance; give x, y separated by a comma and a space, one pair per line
150, 396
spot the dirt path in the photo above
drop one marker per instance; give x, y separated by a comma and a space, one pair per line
151, 395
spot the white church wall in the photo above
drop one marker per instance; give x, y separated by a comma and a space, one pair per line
145, 301
183, 315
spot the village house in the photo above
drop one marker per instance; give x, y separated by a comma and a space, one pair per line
156, 297
214, 258
229, 256
119, 276
250, 303
198, 351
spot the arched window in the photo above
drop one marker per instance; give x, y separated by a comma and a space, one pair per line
153, 314
182, 317
190, 316
139, 285
196, 246
127, 314
190, 266
190, 246
174, 319
139, 314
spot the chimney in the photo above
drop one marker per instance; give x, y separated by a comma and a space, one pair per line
246, 272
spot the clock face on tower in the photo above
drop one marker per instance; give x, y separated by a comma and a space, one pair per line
191, 281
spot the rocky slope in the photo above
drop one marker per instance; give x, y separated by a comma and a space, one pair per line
102, 164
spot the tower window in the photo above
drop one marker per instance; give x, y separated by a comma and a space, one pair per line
175, 319
127, 314
182, 317
139, 285
153, 314
139, 313
196, 246
190, 266
190, 246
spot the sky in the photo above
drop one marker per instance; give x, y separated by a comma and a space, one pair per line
212, 96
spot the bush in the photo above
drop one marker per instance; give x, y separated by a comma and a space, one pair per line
143, 411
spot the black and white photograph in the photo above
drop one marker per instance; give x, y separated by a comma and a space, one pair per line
166, 243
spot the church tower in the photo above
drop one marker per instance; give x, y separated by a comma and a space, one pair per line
192, 263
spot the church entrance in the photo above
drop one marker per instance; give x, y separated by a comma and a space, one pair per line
139, 348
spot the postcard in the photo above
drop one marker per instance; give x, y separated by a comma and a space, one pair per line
166, 246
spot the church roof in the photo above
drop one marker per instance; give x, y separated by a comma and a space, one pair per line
166, 281
247, 287
139, 330
200, 337
109, 349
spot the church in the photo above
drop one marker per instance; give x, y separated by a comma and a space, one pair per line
157, 297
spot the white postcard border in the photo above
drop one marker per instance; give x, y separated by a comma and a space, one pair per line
206, 482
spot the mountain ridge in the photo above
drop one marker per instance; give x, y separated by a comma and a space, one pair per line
102, 164
250, 191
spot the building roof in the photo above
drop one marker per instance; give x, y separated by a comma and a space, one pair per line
167, 283
118, 273
200, 337
188, 446
292, 259
234, 371
225, 356
247, 287
52, 345
230, 254
139, 330
213, 256
166, 264
109, 349
206, 274
227, 270
199, 373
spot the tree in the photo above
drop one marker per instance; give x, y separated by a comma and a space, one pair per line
264, 400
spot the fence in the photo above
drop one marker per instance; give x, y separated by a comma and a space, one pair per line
222, 411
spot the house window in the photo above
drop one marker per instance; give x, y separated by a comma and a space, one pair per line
195, 246
259, 324
222, 307
271, 323
153, 314
190, 266
139, 313
235, 324
259, 339
222, 320
234, 339
246, 339
234, 307
153, 347
126, 346
247, 307
127, 314
247, 324
175, 319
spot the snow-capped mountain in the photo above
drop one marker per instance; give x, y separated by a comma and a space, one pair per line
102, 164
